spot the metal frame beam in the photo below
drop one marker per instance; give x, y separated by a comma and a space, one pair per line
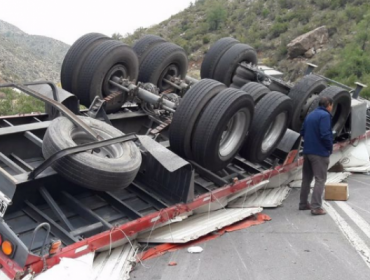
84, 211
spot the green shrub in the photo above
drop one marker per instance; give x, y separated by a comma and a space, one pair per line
19, 103
265, 12
206, 40
278, 28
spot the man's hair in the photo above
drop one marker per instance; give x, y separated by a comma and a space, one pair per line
325, 101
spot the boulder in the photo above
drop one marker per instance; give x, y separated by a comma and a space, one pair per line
310, 53
308, 42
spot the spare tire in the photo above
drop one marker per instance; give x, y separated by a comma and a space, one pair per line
76, 56
189, 112
271, 120
142, 46
110, 168
302, 92
161, 61
213, 56
229, 62
341, 106
256, 90
221, 129
109, 59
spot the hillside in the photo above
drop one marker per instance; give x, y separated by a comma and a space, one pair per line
269, 26
26, 57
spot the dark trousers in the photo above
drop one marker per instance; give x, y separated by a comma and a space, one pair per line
314, 166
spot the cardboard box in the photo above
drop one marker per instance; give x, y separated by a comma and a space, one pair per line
337, 191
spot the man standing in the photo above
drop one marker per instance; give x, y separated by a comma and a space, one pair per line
318, 145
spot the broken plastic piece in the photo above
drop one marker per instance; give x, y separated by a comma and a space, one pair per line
195, 250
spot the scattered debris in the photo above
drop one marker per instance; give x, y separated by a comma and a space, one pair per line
195, 250
117, 264
171, 247
79, 268
262, 198
197, 226
332, 178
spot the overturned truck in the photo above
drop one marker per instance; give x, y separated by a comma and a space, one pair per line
154, 143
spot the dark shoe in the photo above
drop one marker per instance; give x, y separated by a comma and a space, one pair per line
305, 207
318, 211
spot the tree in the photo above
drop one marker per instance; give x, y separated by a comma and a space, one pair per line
117, 36
216, 16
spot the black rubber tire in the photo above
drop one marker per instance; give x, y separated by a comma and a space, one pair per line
266, 112
189, 112
211, 125
245, 74
93, 79
142, 46
234, 86
88, 169
238, 81
300, 93
230, 60
75, 57
213, 56
256, 90
276, 87
155, 63
341, 106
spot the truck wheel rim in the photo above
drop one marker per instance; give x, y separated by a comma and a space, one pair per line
234, 132
117, 71
274, 131
113, 151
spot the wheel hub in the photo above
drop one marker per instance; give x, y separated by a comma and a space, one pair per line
233, 133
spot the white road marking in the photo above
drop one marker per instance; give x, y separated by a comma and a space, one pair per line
355, 240
359, 221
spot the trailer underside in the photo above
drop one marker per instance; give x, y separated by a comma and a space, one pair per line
86, 220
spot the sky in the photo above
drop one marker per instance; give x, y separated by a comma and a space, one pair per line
67, 20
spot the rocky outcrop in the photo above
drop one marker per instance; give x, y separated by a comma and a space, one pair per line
309, 43
26, 57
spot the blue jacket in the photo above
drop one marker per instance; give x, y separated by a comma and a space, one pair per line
317, 133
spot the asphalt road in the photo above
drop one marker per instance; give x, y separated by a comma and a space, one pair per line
293, 245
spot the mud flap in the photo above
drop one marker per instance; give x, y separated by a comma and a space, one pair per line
166, 174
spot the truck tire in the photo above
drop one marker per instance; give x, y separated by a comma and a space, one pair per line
221, 129
341, 106
213, 56
302, 92
110, 168
75, 57
239, 82
274, 86
189, 112
245, 74
142, 46
271, 120
230, 60
256, 90
163, 60
107, 60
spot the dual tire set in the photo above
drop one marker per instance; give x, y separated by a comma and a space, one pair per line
223, 62
214, 123
95, 59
